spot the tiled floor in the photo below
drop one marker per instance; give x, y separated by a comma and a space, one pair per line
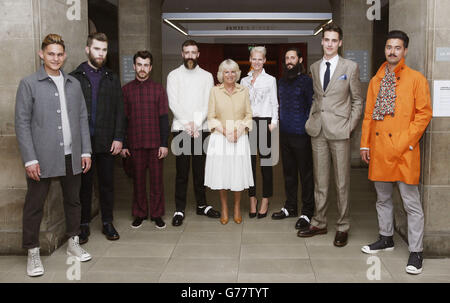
258, 250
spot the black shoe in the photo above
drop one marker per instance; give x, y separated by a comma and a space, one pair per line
110, 232
159, 222
208, 211
302, 223
414, 265
84, 234
284, 213
260, 216
311, 231
341, 238
177, 219
138, 222
384, 243
252, 215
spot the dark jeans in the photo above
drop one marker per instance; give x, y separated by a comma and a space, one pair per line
296, 155
261, 130
104, 164
34, 205
183, 162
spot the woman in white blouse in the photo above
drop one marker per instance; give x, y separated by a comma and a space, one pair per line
264, 103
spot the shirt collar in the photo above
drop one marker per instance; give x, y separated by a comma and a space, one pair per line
333, 60
250, 73
238, 88
89, 68
42, 74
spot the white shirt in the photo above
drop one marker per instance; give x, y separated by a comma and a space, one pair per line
323, 67
188, 92
263, 95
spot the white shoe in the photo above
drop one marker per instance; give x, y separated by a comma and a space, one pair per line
34, 264
74, 249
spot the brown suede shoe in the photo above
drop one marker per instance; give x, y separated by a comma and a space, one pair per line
312, 231
340, 239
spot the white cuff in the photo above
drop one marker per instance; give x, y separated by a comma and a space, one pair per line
85, 155
364, 148
29, 163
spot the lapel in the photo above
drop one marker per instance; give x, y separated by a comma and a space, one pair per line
316, 75
337, 73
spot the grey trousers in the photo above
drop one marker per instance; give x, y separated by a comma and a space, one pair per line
325, 151
413, 207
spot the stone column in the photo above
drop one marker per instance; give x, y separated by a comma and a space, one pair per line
24, 24
139, 29
428, 27
350, 15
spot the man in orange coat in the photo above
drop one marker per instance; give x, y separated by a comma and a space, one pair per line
398, 110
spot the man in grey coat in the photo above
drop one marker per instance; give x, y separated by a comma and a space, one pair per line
53, 135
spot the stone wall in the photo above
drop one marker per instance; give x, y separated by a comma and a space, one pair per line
139, 29
24, 23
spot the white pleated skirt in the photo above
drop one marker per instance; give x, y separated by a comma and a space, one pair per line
228, 165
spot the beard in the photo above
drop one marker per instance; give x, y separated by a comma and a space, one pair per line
98, 63
190, 63
142, 75
291, 73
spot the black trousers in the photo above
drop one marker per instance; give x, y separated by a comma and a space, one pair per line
258, 146
33, 208
104, 165
296, 155
189, 149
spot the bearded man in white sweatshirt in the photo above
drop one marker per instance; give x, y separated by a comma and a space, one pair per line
188, 88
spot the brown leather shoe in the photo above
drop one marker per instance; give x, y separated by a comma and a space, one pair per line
340, 239
312, 231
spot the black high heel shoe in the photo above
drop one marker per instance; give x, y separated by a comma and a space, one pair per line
260, 216
252, 215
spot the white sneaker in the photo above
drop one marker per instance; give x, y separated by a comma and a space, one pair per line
74, 249
34, 264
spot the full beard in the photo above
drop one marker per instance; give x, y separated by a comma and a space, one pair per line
98, 63
142, 75
190, 63
290, 74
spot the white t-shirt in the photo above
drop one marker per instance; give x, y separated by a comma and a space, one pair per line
65, 127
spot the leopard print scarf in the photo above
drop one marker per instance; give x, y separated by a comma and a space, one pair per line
385, 104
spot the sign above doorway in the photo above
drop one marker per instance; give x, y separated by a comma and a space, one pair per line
247, 24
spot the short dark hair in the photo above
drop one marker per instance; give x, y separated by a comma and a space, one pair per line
397, 34
188, 43
144, 54
295, 49
53, 39
97, 36
333, 27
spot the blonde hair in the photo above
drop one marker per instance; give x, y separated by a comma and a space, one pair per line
52, 39
258, 49
226, 65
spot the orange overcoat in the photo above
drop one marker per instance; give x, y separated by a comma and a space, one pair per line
394, 141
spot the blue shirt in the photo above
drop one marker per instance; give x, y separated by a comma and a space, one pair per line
94, 76
295, 103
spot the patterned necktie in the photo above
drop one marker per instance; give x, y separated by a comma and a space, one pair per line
326, 78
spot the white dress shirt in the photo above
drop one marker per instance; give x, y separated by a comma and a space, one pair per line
263, 95
323, 67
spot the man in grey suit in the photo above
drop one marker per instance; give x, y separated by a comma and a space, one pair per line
334, 114
53, 135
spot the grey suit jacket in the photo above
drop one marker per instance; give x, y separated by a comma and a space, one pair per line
38, 121
337, 110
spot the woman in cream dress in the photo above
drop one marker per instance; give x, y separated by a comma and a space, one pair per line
228, 164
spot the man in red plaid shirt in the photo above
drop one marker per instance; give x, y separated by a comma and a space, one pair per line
146, 108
